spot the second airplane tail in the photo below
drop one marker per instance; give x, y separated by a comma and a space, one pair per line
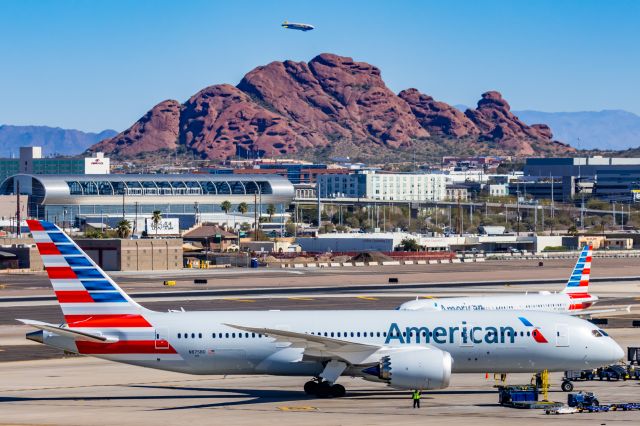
579, 280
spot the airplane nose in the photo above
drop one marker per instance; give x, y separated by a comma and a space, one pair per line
616, 352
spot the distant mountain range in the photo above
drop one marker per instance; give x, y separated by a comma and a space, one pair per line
610, 129
53, 140
604, 130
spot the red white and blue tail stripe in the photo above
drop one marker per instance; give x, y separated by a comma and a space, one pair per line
579, 280
87, 296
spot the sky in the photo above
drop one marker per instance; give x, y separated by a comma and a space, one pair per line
93, 65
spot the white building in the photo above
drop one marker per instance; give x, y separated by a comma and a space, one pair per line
384, 186
97, 164
498, 190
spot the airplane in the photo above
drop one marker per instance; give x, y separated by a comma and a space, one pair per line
405, 349
573, 299
297, 26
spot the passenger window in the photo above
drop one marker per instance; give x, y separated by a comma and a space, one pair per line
226, 335
253, 335
213, 335
358, 334
528, 333
193, 335
332, 334
352, 334
233, 335
246, 335
199, 335
378, 334
178, 335
240, 335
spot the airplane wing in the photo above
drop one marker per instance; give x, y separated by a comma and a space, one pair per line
319, 346
67, 332
600, 311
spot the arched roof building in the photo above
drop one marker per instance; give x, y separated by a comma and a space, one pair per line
78, 196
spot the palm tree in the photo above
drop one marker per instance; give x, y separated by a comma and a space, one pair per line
156, 218
124, 229
243, 208
271, 210
226, 206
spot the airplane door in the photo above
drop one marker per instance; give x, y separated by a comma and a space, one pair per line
161, 341
562, 335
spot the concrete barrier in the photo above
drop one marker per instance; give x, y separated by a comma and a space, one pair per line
323, 265
455, 260
345, 264
311, 265
298, 265
334, 264
433, 262
358, 263
408, 262
480, 259
373, 263
421, 262
391, 263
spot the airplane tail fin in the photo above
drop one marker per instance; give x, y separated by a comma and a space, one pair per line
579, 280
87, 296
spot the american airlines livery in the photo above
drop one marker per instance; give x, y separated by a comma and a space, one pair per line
406, 349
573, 299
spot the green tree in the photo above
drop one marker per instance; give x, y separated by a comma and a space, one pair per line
225, 206
93, 233
271, 210
243, 208
123, 229
409, 244
156, 218
290, 228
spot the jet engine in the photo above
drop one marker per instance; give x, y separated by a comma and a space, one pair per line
416, 368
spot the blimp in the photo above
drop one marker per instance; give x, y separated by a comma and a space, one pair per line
297, 26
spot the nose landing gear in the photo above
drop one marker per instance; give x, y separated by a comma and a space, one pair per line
323, 389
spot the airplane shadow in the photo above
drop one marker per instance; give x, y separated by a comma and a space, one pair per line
239, 397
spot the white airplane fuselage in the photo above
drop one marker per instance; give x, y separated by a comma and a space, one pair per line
543, 301
477, 341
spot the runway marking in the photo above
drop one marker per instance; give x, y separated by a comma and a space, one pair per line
300, 298
427, 297
297, 408
233, 299
366, 298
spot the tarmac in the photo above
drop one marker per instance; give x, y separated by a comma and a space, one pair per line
42, 386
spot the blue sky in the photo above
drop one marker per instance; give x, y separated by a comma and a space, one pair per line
93, 65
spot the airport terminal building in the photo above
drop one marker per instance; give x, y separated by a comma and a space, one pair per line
74, 200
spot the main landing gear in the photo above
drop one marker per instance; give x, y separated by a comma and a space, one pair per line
323, 389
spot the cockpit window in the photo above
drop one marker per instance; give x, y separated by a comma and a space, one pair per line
604, 333
596, 333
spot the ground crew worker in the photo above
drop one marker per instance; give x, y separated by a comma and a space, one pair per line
415, 395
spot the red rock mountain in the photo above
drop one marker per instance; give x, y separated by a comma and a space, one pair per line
283, 107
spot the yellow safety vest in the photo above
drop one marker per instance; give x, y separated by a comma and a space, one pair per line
416, 395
